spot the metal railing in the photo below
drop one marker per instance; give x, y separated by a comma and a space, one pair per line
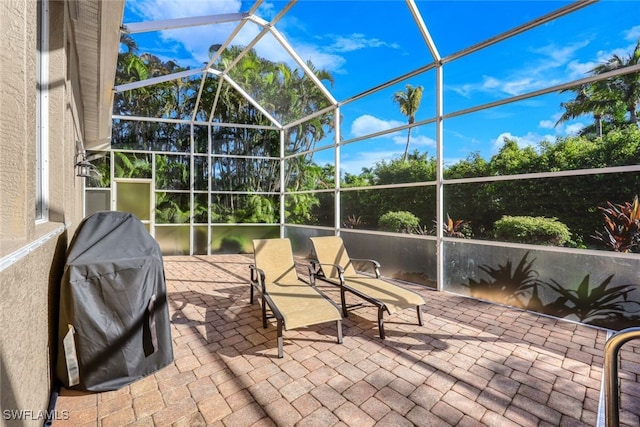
611, 349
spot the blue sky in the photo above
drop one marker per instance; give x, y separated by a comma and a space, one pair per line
364, 43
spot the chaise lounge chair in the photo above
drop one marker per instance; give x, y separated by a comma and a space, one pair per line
293, 302
333, 265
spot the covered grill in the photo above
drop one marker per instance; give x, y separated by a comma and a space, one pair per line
114, 321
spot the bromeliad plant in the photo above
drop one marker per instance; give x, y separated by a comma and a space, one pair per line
353, 221
621, 226
454, 228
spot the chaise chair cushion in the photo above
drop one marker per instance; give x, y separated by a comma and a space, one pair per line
299, 303
392, 296
330, 250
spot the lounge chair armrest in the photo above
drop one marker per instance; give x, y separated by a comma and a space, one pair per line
318, 270
375, 264
312, 281
311, 268
257, 277
315, 267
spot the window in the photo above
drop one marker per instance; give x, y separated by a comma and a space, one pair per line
42, 117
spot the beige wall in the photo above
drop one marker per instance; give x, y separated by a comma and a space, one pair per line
32, 255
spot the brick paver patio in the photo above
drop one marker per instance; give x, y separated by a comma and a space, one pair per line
472, 363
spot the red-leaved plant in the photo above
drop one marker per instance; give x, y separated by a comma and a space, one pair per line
621, 226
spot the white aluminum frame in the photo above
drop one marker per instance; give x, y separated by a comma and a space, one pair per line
436, 63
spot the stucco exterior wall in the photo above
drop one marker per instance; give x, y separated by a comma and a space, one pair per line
32, 252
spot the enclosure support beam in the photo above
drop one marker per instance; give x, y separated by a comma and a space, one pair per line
172, 24
209, 173
192, 240
337, 195
439, 181
282, 183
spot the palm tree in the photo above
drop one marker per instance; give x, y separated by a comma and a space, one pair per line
592, 98
409, 101
607, 99
626, 86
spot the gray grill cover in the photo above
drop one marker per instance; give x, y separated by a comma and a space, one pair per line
113, 299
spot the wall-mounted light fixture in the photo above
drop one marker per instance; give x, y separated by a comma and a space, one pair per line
84, 168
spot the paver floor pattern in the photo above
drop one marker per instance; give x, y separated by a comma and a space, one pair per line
472, 363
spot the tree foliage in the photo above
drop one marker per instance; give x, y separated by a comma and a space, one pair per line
573, 200
408, 101
610, 99
285, 92
246, 160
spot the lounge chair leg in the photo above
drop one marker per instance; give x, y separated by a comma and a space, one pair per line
419, 316
339, 322
264, 313
251, 294
280, 344
344, 303
381, 322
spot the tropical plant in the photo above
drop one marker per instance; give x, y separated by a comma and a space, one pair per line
353, 221
259, 209
625, 86
621, 226
455, 228
592, 98
172, 208
286, 93
132, 165
172, 172
609, 98
101, 179
408, 101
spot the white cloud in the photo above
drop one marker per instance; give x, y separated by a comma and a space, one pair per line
326, 54
321, 60
464, 90
367, 124
574, 129
632, 34
353, 163
555, 56
531, 139
195, 40
416, 141
579, 69
551, 122
522, 85
168, 9
547, 124
510, 86
355, 41
490, 82
546, 70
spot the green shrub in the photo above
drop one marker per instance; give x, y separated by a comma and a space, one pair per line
398, 222
533, 230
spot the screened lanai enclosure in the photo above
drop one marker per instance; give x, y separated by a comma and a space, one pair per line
493, 155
